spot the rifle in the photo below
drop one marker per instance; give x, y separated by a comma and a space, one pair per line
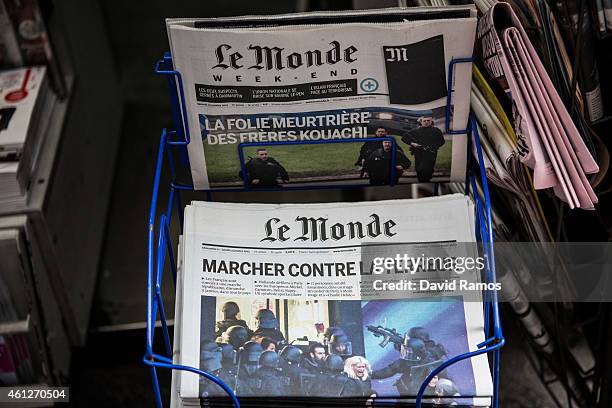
388, 335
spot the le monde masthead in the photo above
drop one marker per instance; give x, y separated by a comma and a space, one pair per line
319, 229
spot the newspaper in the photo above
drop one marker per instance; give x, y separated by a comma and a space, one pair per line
295, 271
336, 77
548, 139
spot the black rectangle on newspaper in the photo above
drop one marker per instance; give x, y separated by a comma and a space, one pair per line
416, 73
283, 93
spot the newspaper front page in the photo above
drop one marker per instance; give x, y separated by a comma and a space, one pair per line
294, 272
321, 77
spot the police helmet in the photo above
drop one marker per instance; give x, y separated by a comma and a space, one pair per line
250, 352
266, 319
237, 336
228, 354
340, 341
330, 331
291, 354
413, 349
230, 310
269, 359
210, 356
334, 363
418, 333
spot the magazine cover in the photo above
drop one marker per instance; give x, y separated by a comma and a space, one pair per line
323, 77
19, 90
279, 300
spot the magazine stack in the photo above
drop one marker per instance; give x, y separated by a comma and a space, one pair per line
339, 304
26, 106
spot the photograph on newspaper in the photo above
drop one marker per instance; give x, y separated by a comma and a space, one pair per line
366, 349
261, 102
280, 298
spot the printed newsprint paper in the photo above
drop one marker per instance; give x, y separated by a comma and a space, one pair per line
324, 77
548, 139
318, 266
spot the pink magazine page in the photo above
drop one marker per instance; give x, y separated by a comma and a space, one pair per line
543, 132
584, 156
584, 191
497, 65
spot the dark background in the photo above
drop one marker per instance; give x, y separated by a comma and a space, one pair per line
109, 371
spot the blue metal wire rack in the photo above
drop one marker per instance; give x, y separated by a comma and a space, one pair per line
160, 248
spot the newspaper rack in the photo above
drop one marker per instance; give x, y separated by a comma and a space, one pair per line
159, 227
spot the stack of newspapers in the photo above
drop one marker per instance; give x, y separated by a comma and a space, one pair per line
340, 304
26, 104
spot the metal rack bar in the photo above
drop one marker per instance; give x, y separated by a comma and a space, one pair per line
180, 138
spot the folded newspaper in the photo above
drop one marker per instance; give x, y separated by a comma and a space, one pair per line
263, 93
549, 142
308, 305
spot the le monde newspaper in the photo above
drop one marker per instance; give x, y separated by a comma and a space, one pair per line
280, 301
329, 76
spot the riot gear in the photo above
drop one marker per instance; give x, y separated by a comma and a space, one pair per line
230, 310
210, 361
237, 336
291, 354
266, 319
268, 380
210, 356
340, 344
250, 352
413, 350
418, 333
267, 326
332, 382
334, 363
415, 363
248, 358
437, 351
269, 359
329, 332
291, 357
228, 355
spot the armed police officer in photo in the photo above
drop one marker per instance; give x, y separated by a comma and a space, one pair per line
235, 335
211, 361
269, 380
371, 146
248, 364
379, 162
231, 318
416, 360
263, 171
340, 345
291, 366
267, 326
368, 147
332, 383
424, 142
